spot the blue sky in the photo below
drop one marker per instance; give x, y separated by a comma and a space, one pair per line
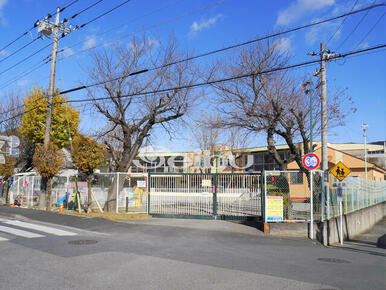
202, 26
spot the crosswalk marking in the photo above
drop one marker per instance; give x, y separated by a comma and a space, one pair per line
45, 229
20, 233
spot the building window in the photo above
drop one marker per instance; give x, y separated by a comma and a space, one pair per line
296, 177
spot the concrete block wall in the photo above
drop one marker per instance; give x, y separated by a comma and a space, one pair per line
354, 223
327, 232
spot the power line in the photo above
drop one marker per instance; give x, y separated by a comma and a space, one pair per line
240, 44
230, 47
302, 64
84, 10
24, 46
24, 59
103, 14
371, 29
30, 29
23, 74
341, 24
235, 77
355, 28
146, 28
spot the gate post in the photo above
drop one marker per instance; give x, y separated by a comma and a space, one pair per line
148, 193
264, 198
215, 196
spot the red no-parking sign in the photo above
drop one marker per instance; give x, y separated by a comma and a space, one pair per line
311, 161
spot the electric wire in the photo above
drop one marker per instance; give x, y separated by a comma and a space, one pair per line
83, 10
341, 24
103, 14
29, 30
355, 28
371, 30
244, 43
302, 64
16, 51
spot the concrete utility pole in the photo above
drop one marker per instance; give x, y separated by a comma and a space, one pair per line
324, 56
47, 28
51, 88
324, 124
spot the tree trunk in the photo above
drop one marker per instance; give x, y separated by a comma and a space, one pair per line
43, 192
49, 191
89, 200
5, 191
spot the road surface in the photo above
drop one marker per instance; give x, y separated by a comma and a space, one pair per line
40, 250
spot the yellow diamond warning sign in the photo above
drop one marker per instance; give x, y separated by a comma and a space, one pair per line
340, 171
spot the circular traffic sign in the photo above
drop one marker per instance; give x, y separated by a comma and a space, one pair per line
311, 161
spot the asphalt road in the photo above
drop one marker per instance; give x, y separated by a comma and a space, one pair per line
174, 254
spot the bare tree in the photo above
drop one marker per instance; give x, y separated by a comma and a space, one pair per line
272, 102
206, 136
136, 104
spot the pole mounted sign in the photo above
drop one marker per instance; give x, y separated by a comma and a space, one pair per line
311, 161
340, 171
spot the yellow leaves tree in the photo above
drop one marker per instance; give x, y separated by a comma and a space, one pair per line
87, 155
48, 162
6, 171
65, 119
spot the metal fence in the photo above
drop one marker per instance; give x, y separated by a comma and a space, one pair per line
205, 195
129, 195
357, 193
289, 195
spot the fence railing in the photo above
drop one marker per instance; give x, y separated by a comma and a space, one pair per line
210, 195
129, 195
356, 195
290, 195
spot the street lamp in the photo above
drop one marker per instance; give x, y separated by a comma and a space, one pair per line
364, 128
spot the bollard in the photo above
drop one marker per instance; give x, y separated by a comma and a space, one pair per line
13, 202
127, 203
61, 208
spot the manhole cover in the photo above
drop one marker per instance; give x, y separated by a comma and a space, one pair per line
333, 260
82, 242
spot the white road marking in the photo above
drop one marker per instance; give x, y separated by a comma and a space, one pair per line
20, 233
45, 229
3, 239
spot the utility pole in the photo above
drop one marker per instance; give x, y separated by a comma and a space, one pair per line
47, 28
325, 55
51, 88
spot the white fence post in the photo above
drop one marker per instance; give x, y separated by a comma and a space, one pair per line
117, 193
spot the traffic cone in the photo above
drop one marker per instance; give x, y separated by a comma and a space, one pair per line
13, 202
61, 208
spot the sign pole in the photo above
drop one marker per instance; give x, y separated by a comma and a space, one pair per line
340, 197
312, 207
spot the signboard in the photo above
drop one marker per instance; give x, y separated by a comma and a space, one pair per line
311, 161
274, 208
2, 158
340, 171
206, 183
141, 183
339, 184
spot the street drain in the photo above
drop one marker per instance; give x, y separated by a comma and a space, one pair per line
333, 260
82, 242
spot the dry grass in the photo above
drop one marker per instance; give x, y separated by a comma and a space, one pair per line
109, 215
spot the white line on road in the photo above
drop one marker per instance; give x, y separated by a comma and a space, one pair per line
20, 233
3, 239
40, 228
